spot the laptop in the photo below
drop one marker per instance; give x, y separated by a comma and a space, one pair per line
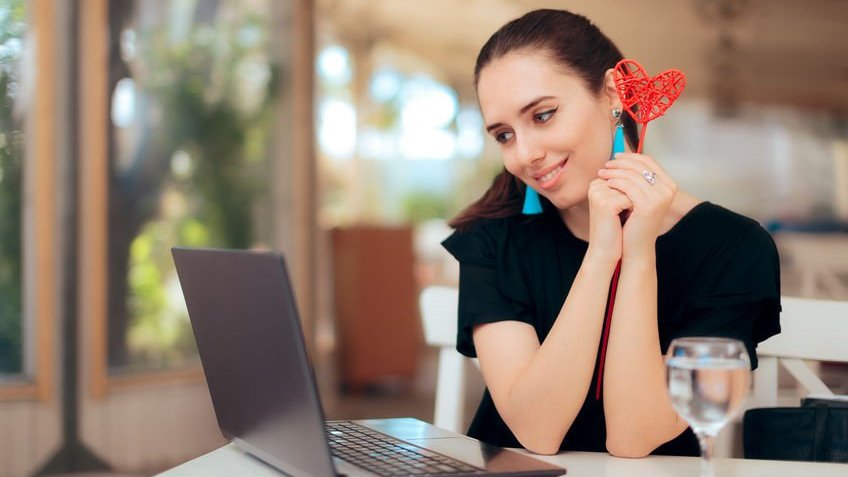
249, 338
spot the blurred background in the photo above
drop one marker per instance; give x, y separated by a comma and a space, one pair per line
343, 133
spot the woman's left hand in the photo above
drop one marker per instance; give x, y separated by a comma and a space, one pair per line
650, 190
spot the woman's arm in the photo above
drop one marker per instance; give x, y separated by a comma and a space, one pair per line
639, 414
638, 410
539, 389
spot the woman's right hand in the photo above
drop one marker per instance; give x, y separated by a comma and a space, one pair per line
605, 229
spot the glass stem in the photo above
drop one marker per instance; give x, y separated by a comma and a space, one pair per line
706, 442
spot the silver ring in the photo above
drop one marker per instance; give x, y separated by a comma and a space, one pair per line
649, 176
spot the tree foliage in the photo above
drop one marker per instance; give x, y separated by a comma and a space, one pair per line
202, 111
12, 30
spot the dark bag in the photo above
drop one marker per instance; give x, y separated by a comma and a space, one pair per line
815, 432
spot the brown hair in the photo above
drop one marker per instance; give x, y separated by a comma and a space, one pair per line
579, 47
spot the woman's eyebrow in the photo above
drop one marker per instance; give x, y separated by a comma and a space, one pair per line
522, 110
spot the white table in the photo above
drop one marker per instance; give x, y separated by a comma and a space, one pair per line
231, 461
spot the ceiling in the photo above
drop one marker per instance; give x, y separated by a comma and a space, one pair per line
782, 52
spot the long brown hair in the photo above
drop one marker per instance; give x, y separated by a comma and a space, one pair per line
578, 46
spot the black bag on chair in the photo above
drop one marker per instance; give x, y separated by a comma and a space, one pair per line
816, 432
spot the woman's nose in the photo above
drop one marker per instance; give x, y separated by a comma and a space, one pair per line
529, 151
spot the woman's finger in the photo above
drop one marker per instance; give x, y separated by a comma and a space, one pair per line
635, 185
639, 163
601, 193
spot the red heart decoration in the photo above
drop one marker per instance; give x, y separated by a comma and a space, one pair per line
646, 98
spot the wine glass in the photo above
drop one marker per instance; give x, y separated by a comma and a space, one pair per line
707, 382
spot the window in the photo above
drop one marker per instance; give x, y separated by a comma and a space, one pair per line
12, 30
191, 93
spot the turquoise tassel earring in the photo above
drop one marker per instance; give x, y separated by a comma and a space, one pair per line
618, 139
532, 206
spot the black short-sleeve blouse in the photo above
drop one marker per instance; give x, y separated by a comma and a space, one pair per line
717, 275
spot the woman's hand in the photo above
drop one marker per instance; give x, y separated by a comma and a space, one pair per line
605, 231
631, 175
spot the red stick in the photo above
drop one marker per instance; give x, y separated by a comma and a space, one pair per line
607, 323
642, 138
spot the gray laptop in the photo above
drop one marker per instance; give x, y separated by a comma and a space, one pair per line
248, 333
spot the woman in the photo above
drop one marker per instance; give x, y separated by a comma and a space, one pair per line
534, 288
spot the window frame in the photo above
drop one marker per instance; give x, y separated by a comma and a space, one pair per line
40, 217
94, 210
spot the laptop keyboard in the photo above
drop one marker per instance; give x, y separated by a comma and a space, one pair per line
387, 456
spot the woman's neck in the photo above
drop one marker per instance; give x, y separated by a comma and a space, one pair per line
576, 219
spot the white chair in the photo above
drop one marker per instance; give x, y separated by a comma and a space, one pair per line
811, 330
439, 316
818, 258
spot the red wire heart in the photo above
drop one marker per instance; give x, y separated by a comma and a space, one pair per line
646, 98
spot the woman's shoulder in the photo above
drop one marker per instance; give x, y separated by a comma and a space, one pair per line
513, 226
487, 239
481, 230
721, 248
478, 241
713, 223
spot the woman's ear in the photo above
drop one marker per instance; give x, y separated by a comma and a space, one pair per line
610, 90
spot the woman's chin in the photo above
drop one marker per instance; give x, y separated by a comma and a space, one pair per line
559, 203
561, 200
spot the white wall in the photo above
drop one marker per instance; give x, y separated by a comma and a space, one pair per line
136, 431
150, 429
29, 433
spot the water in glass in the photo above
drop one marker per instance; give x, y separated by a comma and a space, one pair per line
707, 392
707, 382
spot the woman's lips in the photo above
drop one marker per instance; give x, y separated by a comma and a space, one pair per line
549, 178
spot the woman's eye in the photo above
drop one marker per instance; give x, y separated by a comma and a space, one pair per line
544, 116
503, 137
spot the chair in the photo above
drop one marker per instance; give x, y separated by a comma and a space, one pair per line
439, 316
819, 259
811, 329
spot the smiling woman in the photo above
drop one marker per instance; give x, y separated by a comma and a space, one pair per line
534, 289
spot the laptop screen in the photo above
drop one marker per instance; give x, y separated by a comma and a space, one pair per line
248, 334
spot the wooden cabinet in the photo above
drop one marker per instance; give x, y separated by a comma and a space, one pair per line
375, 294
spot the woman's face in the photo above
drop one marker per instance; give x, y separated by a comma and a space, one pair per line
554, 133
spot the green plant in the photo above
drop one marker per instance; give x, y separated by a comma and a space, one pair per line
12, 31
195, 176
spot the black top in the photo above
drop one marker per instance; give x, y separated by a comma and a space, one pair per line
717, 275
